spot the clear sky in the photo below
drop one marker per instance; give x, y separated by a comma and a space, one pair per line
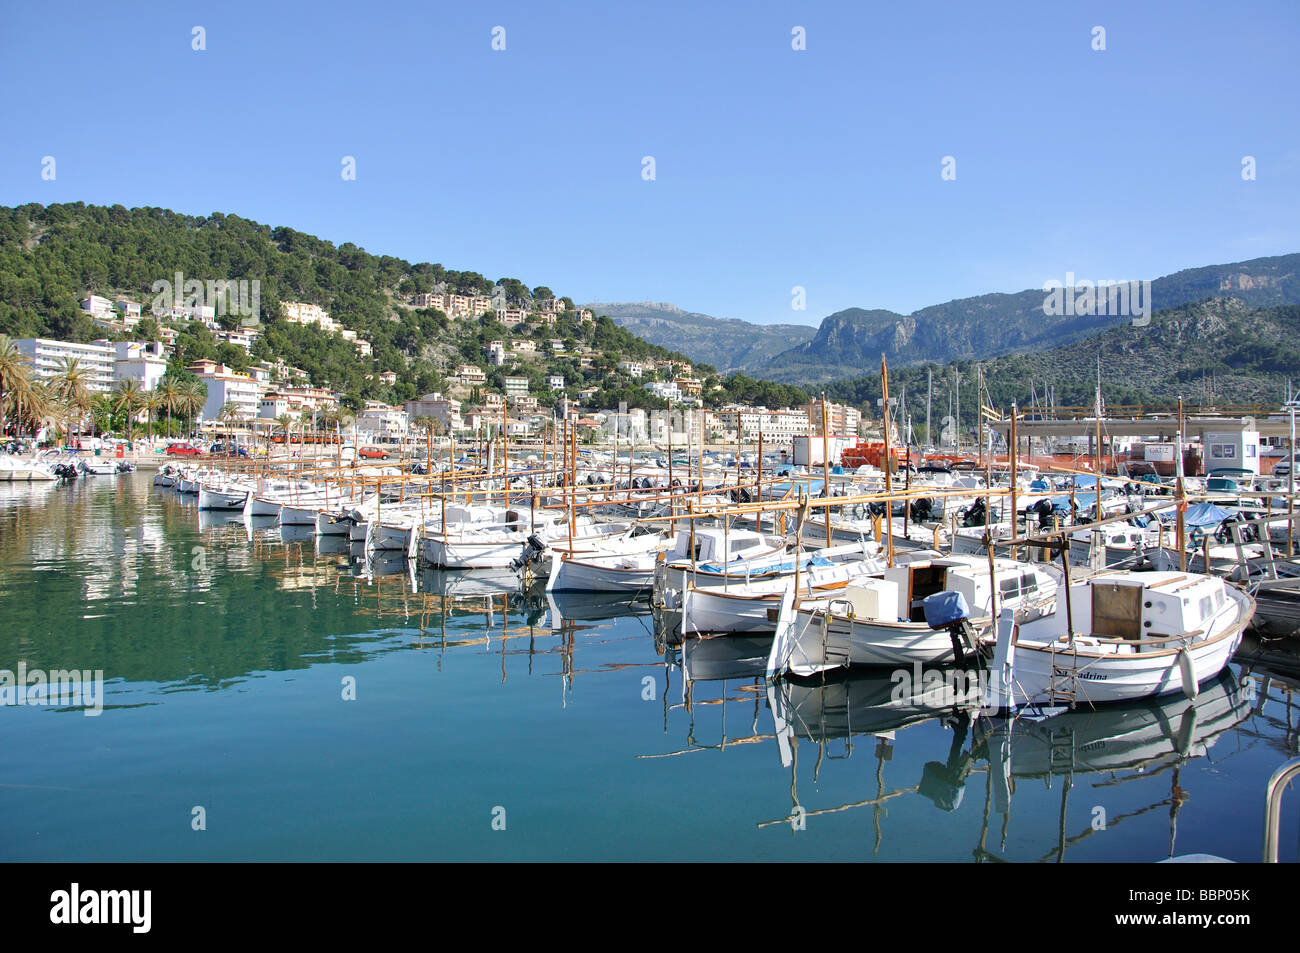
774, 168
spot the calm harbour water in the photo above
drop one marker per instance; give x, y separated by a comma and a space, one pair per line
227, 651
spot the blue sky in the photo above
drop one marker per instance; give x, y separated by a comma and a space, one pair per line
775, 168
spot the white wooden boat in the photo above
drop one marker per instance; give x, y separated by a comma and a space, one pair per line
754, 607
1124, 637
882, 621
223, 497
724, 557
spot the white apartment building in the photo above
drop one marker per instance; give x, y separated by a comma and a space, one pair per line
240, 337
97, 307
379, 420
665, 390
776, 426
47, 359
632, 368
298, 312
444, 409
624, 426
469, 374
272, 405
840, 418
193, 312
238, 389
555, 382
143, 363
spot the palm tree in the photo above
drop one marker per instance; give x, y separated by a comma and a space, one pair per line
72, 385
101, 414
228, 415
19, 391
169, 398
128, 399
14, 375
286, 426
151, 403
34, 401
194, 394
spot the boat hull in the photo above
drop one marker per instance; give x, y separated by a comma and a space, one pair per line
222, 499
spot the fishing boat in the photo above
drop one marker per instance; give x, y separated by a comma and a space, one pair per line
753, 607
892, 620
719, 556
223, 496
1118, 636
631, 569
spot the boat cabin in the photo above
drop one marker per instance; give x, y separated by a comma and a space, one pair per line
1016, 581
1137, 606
713, 545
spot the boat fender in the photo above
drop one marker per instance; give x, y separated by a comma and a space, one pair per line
1186, 731
1187, 668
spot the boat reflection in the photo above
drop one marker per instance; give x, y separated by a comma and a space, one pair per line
1112, 745
1127, 742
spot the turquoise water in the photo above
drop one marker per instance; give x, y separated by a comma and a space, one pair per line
225, 651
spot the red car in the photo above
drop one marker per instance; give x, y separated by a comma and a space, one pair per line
373, 453
184, 450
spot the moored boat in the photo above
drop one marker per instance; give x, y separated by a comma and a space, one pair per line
1121, 636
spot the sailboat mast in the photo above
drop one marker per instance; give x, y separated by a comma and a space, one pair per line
929, 394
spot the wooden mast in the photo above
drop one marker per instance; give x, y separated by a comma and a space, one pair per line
826, 471
889, 486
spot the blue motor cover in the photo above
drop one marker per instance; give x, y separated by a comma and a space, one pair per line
944, 608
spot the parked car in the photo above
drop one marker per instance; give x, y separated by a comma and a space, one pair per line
1283, 467
184, 450
373, 453
232, 450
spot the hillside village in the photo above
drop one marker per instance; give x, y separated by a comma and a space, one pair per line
539, 371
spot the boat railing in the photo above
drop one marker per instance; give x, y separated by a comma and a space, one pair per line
1281, 778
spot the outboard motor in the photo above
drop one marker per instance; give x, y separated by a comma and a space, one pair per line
948, 610
1044, 511
921, 509
532, 552
976, 514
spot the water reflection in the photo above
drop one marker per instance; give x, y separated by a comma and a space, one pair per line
114, 576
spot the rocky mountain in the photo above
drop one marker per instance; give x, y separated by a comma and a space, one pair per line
729, 344
1218, 350
850, 342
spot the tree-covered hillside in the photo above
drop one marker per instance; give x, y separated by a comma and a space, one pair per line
1220, 350
51, 257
